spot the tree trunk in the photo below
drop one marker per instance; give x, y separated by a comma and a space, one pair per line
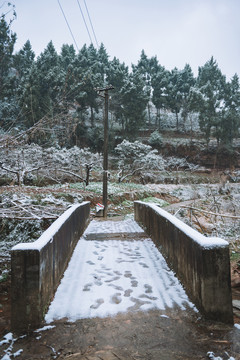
159, 118
177, 121
88, 171
92, 117
191, 128
149, 114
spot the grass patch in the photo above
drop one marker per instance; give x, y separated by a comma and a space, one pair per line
160, 202
127, 203
4, 276
113, 188
235, 256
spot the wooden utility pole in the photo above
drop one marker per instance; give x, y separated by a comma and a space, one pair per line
105, 146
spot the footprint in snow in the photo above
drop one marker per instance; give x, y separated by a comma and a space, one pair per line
143, 265
128, 274
87, 287
119, 288
118, 273
148, 289
90, 262
126, 261
97, 280
144, 296
134, 283
113, 279
127, 292
116, 298
138, 304
97, 304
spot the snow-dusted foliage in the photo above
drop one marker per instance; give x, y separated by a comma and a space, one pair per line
174, 163
130, 152
155, 139
31, 163
26, 212
139, 158
73, 157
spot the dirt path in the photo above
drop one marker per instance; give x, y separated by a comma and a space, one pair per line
141, 335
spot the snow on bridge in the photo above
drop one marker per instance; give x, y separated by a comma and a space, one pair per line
105, 277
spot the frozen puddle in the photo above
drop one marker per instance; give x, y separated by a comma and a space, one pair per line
105, 277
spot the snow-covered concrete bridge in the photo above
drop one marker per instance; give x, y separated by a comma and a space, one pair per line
115, 268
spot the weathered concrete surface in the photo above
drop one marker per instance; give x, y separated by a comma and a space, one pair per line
36, 268
204, 271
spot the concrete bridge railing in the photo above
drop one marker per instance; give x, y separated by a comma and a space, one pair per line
36, 268
202, 264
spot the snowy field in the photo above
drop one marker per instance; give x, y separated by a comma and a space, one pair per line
105, 277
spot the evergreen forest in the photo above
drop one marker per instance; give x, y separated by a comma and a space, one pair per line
52, 99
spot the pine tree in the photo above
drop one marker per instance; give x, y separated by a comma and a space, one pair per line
23, 60
42, 91
174, 94
159, 97
7, 42
67, 56
144, 68
230, 114
87, 76
66, 61
211, 85
8, 102
134, 102
103, 61
187, 81
117, 75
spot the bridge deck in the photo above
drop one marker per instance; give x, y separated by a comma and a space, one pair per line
115, 268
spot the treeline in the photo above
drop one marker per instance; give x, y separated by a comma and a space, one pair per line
57, 92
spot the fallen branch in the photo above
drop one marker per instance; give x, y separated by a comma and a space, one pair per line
28, 218
28, 211
210, 212
32, 212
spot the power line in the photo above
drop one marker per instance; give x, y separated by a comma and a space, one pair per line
84, 21
68, 25
91, 24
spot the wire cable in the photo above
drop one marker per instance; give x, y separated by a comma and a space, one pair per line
68, 25
91, 24
84, 21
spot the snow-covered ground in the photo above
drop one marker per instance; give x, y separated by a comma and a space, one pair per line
112, 227
105, 277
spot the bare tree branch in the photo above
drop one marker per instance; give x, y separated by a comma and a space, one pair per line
120, 179
71, 173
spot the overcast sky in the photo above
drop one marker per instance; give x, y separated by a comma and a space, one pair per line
177, 31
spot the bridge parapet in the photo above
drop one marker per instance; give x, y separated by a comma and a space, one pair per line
202, 264
36, 268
